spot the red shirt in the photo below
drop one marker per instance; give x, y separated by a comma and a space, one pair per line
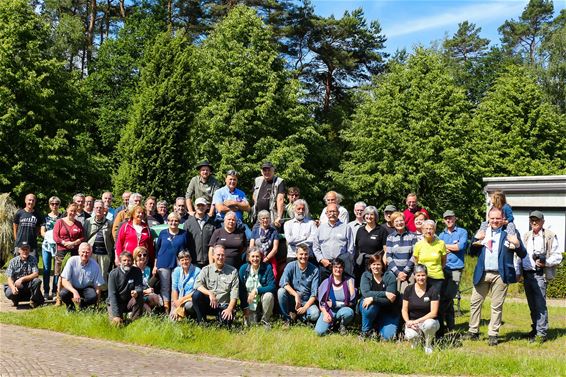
63, 232
410, 218
128, 239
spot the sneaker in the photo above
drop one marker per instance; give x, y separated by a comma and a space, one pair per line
363, 336
286, 325
293, 316
428, 350
58, 301
342, 329
266, 325
493, 340
471, 336
32, 305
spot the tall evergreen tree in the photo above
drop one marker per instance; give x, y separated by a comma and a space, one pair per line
412, 134
524, 35
45, 135
521, 133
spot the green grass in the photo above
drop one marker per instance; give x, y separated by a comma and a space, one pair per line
299, 345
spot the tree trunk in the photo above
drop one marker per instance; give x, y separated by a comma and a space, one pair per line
327, 90
90, 31
122, 9
170, 13
107, 17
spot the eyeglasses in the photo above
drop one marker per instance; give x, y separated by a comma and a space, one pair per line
53, 204
232, 172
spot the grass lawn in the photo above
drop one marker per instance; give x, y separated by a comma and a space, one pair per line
300, 346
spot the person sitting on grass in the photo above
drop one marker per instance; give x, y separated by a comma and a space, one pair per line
125, 291
81, 280
23, 278
299, 285
151, 299
380, 300
257, 287
420, 309
217, 290
184, 279
337, 296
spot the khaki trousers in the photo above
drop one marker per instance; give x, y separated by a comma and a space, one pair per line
490, 282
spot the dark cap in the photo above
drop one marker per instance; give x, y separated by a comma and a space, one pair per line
448, 213
203, 163
24, 245
537, 214
390, 208
267, 165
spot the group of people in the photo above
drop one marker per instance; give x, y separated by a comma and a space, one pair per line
201, 259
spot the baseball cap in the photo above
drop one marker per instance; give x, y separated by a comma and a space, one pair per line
390, 208
538, 214
201, 201
448, 213
23, 245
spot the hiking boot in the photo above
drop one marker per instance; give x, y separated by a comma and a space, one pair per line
293, 316
538, 339
286, 325
493, 340
471, 336
342, 329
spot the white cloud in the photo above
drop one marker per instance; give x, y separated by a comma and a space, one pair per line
472, 13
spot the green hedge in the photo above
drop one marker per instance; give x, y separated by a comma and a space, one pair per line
557, 286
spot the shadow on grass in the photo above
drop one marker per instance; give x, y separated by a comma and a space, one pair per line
552, 334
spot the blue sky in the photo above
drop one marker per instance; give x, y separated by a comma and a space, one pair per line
407, 23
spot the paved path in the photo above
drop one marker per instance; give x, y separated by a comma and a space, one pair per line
68, 355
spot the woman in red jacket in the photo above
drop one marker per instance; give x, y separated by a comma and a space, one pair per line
68, 234
134, 233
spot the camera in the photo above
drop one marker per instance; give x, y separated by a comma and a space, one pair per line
542, 258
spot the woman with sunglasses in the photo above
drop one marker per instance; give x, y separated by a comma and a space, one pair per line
169, 243
150, 298
49, 247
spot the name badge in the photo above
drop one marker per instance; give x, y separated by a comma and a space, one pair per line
426, 299
131, 281
373, 237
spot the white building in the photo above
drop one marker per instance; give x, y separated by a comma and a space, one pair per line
526, 194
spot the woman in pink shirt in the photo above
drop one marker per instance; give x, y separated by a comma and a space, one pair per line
134, 233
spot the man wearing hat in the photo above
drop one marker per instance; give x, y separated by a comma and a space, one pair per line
23, 278
388, 224
269, 194
456, 241
204, 185
200, 226
537, 268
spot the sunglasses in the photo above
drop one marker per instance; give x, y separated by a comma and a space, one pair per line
53, 204
232, 172
142, 255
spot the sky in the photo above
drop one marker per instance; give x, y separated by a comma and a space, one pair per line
407, 23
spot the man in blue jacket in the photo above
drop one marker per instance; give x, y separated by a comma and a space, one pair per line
494, 272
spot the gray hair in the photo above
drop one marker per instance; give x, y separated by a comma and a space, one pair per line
371, 209
98, 201
430, 222
78, 195
54, 199
263, 213
420, 268
231, 213
179, 198
162, 202
303, 202
360, 203
131, 201
184, 254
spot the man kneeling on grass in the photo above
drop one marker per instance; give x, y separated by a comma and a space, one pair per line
81, 280
216, 290
23, 280
125, 290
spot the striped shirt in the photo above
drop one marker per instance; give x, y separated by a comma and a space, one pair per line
399, 251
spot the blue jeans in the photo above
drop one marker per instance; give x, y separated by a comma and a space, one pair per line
345, 314
47, 260
287, 304
384, 321
535, 290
